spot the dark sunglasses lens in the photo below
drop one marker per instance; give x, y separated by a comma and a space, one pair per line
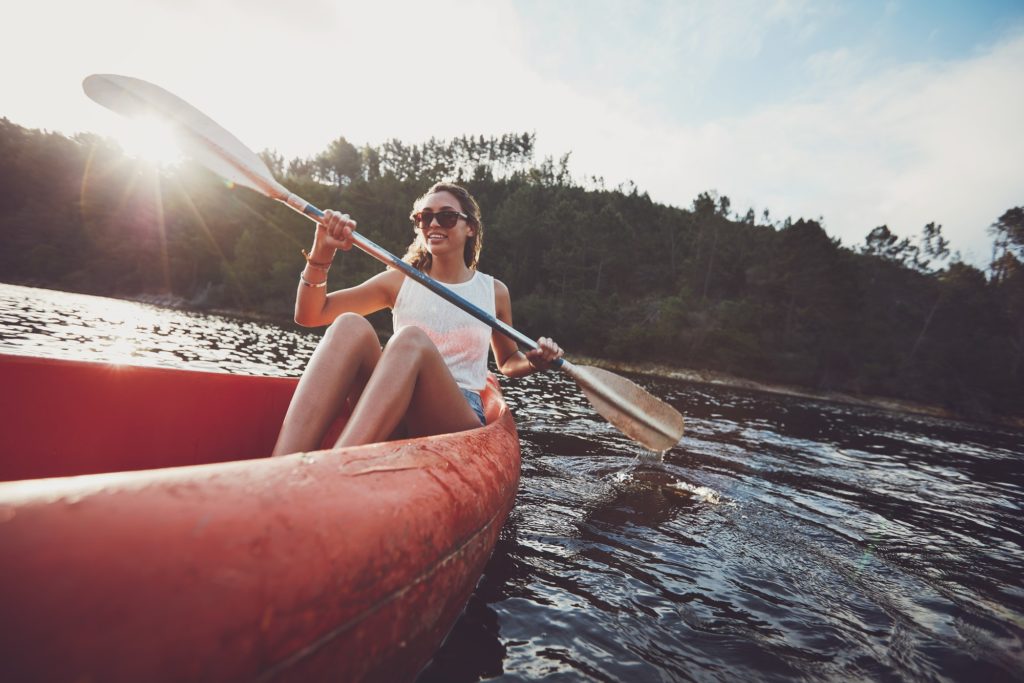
447, 219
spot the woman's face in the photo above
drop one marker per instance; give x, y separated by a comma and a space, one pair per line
438, 239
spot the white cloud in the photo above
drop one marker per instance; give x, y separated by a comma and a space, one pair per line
837, 66
927, 142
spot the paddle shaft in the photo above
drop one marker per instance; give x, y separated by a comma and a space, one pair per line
625, 404
625, 408
384, 256
271, 188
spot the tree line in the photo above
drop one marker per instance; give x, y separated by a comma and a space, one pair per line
607, 272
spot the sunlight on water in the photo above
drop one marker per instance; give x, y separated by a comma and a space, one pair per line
82, 327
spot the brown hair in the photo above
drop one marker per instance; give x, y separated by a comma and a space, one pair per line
419, 257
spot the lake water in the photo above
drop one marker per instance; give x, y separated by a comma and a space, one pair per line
783, 539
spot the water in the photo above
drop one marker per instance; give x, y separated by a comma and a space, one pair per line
783, 539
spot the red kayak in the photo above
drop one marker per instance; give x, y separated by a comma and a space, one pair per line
145, 535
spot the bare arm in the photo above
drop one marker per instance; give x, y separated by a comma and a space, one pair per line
313, 306
511, 361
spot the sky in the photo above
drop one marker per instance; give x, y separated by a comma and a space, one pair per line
854, 113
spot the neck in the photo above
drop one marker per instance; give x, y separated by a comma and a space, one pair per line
450, 270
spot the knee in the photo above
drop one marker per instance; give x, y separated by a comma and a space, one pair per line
410, 339
349, 328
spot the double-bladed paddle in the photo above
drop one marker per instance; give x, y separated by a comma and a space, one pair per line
637, 413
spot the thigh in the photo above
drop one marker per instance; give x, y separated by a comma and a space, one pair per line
437, 405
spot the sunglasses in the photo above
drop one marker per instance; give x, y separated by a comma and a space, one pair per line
446, 219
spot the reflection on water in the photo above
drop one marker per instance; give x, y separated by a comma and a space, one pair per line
784, 538
64, 325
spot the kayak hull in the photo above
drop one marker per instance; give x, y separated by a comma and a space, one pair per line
346, 564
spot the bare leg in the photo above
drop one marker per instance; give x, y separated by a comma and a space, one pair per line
410, 381
343, 361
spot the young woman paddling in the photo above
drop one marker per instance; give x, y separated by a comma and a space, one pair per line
429, 377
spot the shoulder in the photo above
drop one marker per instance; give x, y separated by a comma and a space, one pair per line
390, 282
388, 278
502, 298
492, 283
500, 290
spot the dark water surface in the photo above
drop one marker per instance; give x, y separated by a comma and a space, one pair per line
782, 539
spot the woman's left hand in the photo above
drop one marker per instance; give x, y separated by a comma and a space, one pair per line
547, 353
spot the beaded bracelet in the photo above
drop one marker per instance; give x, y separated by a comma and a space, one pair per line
307, 283
316, 265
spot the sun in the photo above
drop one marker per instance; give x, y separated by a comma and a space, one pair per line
150, 140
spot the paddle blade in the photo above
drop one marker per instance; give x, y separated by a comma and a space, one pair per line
633, 410
202, 138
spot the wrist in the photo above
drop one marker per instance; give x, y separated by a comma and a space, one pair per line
312, 281
320, 262
321, 253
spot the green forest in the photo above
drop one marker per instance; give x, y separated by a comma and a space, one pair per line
607, 272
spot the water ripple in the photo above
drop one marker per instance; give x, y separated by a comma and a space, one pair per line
785, 538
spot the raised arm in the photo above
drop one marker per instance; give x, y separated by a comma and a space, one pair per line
510, 360
313, 306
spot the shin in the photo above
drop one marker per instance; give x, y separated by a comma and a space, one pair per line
342, 362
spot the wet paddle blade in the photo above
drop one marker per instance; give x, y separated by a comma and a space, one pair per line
202, 138
633, 410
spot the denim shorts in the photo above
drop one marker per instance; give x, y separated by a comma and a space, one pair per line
473, 399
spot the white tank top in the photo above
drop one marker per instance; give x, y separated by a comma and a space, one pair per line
462, 339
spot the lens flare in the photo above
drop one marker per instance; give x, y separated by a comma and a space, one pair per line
150, 140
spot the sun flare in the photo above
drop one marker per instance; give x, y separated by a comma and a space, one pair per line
150, 140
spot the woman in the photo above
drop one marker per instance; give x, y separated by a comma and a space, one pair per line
429, 377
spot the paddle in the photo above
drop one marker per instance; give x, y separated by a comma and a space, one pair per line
637, 413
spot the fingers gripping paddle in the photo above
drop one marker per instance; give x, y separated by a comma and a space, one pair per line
638, 414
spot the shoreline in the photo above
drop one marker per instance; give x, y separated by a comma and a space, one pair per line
721, 379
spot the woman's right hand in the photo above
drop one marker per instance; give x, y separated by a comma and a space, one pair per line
334, 232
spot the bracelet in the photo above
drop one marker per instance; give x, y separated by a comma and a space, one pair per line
307, 283
316, 265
